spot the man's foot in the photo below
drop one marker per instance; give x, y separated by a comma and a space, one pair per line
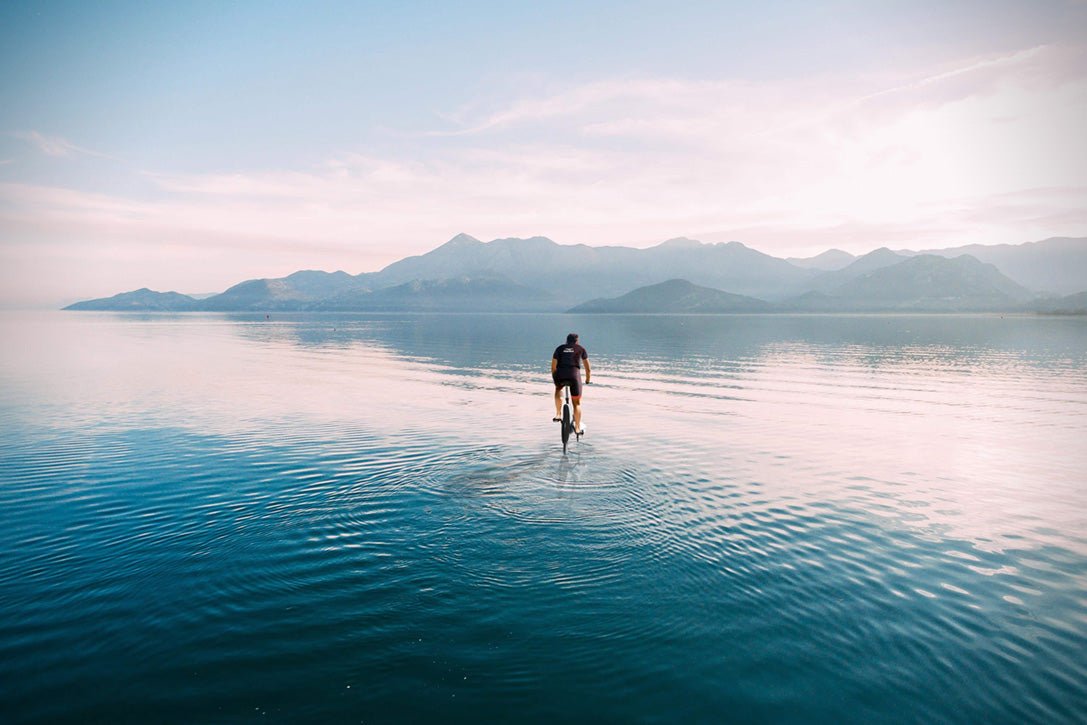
556, 420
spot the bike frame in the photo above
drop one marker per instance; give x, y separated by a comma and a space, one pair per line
567, 418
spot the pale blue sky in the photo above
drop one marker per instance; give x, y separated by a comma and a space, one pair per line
191, 145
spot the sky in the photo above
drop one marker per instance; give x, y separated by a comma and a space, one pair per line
190, 146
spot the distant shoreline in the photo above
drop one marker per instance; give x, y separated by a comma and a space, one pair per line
768, 313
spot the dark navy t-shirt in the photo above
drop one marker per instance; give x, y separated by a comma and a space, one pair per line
569, 357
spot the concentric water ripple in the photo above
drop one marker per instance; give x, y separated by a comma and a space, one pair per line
821, 518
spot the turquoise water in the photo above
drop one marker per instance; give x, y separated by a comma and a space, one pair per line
369, 518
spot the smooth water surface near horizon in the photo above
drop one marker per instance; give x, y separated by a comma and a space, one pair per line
219, 518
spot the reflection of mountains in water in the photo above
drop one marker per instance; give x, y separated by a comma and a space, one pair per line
522, 343
539, 275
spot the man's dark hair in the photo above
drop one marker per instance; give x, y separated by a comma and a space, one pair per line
571, 338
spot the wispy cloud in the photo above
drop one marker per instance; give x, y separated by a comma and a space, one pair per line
639, 106
978, 68
595, 96
55, 145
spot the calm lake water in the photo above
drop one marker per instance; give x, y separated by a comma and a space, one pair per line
771, 518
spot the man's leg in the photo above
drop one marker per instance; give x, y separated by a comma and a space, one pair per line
577, 413
558, 401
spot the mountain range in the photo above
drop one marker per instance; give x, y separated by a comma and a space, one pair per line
676, 296
537, 274
927, 282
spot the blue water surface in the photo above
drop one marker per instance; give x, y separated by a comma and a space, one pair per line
216, 518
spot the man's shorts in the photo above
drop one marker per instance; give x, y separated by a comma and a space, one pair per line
574, 379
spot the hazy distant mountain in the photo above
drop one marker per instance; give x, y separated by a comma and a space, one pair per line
828, 261
923, 283
141, 299
576, 272
465, 255
1057, 265
538, 274
1069, 304
297, 291
725, 266
676, 296
860, 266
456, 294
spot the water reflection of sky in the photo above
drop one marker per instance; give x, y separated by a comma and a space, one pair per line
975, 423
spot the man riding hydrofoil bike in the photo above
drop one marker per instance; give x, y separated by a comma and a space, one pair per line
566, 370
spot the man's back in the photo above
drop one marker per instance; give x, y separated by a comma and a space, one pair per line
569, 357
